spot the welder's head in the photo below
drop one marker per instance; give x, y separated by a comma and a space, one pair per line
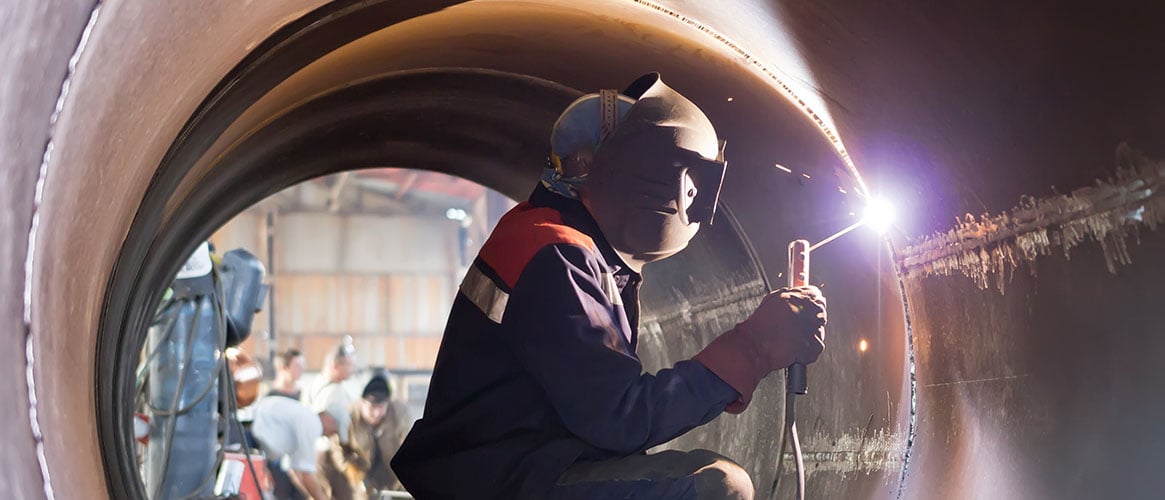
650, 173
290, 362
374, 400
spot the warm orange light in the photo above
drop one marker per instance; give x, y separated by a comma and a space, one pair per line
863, 345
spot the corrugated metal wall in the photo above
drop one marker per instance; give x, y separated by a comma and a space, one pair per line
387, 281
393, 313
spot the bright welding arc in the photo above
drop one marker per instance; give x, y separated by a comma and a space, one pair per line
879, 215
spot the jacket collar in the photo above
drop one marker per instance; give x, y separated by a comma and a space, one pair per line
575, 214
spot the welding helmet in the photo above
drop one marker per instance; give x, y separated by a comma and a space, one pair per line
656, 173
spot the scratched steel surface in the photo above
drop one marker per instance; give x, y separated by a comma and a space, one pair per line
854, 422
1045, 391
1048, 391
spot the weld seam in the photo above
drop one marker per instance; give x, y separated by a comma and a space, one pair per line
29, 258
912, 426
833, 138
988, 246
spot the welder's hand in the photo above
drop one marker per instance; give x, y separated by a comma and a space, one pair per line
787, 327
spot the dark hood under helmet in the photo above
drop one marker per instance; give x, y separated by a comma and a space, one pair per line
656, 174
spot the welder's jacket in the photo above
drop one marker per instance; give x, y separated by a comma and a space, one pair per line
537, 369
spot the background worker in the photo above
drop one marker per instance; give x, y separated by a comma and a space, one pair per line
379, 425
537, 391
327, 395
289, 366
287, 431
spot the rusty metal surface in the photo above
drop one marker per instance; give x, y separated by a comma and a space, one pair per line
1036, 393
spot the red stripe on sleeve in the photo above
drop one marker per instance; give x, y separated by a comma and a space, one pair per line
521, 233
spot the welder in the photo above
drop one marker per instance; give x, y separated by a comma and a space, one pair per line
537, 391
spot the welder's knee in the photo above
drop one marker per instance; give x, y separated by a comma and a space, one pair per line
722, 478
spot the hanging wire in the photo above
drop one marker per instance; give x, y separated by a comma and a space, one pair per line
172, 423
174, 412
232, 405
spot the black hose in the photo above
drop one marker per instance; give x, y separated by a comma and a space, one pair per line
161, 412
232, 403
221, 317
228, 383
220, 320
173, 422
174, 412
166, 332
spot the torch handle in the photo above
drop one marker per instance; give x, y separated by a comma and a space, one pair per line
796, 380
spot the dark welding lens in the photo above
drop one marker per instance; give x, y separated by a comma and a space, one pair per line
700, 185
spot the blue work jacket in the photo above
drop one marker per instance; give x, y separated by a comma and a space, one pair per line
537, 368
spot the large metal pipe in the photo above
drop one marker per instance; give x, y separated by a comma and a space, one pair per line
173, 116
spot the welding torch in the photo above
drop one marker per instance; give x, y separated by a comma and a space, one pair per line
879, 214
796, 380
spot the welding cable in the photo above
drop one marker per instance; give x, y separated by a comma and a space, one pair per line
172, 423
789, 436
220, 317
798, 460
168, 330
790, 430
212, 473
174, 412
227, 384
220, 455
162, 412
233, 407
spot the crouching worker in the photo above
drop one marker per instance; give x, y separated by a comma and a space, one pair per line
287, 431
379, 425
537, 391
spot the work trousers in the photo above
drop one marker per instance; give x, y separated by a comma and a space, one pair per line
678, 475
285, 489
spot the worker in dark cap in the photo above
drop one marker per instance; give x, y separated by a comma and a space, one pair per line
537, 391
379, 425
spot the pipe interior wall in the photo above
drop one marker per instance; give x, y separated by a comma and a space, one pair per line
37, 42
1036, 392
1044, 391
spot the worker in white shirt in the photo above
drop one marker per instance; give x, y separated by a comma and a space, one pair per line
287, 431
327, 395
